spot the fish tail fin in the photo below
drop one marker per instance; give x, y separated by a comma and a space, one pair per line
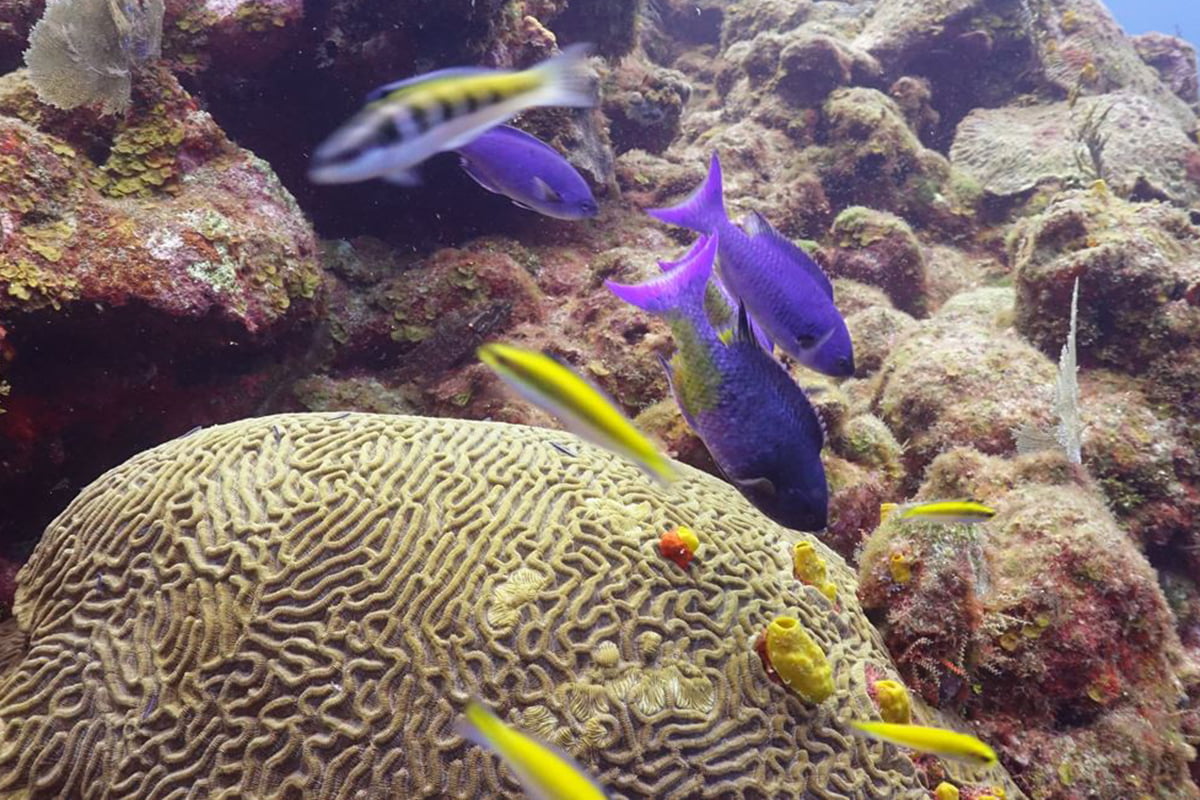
678, 291
704, 209
567, 80
697, 246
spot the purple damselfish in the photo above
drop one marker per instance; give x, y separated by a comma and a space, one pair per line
529, 172
720, 302
784, 289
753, 418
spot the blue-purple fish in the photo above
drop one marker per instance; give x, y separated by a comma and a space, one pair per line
406, 122
529, 172
719, 301
753, 418
784, 289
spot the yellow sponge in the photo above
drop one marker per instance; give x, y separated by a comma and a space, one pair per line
798, 660
894, 703
808, 566
945, 791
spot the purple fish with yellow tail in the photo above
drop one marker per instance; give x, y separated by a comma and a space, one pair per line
784, 289
529, 172
753, 418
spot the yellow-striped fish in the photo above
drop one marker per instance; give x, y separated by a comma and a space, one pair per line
964, 511
406, 122
938, 741
581, 407
544, 772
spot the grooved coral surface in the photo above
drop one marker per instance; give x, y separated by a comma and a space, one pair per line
1142, 151
298, 606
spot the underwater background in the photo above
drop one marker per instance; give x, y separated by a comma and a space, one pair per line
271, 512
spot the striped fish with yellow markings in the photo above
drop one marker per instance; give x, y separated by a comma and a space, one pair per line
581, 407
947, 511
937, 741
406, 122
545, 773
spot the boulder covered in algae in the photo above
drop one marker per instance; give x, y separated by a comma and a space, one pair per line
1139, 291
963, 378
1045, 624
299, 606
151, 275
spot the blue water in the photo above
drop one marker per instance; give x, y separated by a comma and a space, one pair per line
1179, 17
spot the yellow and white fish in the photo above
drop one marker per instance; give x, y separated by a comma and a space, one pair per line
948, 511
406, 122
581, 407
545, 773
938, 741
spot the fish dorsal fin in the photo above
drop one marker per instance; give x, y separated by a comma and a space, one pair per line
514, 134
755, 224
380, 92
742, 332
820, 424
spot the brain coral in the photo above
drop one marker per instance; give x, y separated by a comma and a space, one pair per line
298, 607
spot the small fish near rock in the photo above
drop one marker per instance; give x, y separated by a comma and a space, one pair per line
510, 162
577, 404
937, 741
406, 122
544, 771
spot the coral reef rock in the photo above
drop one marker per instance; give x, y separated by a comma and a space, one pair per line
1124, 139
963, 378
986, 53
239, 37
1138, 266
299, 606
879, 249
1175, 61
1046, 624
151, 274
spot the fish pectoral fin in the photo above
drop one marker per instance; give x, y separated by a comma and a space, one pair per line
402, 177
758, 485
525, 206
545, 192
755, 224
